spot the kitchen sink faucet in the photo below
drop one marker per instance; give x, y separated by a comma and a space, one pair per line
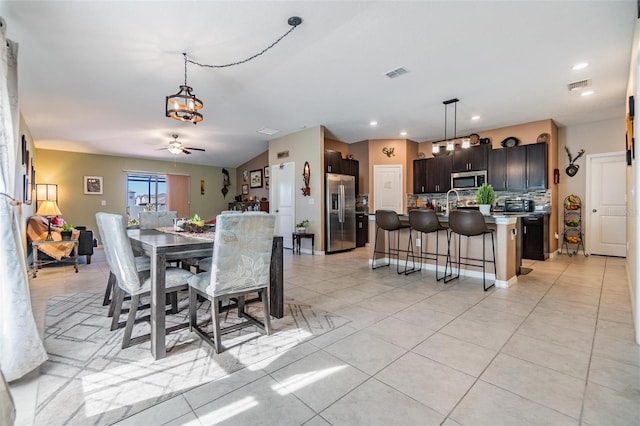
448, 206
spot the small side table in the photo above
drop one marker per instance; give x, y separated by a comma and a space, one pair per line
38, 243
297, 239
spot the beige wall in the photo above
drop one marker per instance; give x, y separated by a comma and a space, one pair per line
403, 149
305, 145
257, 163
67, 169
360, 152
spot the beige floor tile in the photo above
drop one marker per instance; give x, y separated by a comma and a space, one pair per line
539, 384
420, 314
622, 350
366, 351
615, 375
437, 386
375, 404
606, 406
508, 306
466, 357
539, 329
317, 421
492, 318
167, 411
399, 333
477, 333
319, 379
486, 404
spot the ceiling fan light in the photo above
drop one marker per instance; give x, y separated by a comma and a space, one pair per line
184, 106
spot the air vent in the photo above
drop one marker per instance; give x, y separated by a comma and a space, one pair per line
268, 131
579, 85
397, 72
283, 154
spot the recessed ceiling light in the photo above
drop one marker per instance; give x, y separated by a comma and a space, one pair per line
268, 131
373, 123
587, 93
403, 133
475, 117
580, 66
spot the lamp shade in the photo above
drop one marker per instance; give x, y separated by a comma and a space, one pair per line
48, 208
46, 192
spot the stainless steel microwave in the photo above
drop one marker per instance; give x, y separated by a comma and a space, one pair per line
468, 180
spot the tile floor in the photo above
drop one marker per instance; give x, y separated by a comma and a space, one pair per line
557, 348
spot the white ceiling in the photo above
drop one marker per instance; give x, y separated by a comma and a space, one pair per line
93, 76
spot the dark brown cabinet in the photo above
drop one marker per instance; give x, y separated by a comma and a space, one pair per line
473, 158
362, 229
518, 168
352, 168
439, 174
332, 161
535, 237
419, 176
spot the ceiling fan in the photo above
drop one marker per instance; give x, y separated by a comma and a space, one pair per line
176, 147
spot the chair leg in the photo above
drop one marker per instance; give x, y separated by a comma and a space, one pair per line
410, 252
131, 320
193, 308
240, 303
109, 290
116, 307
215, 321
375, 250
267, 313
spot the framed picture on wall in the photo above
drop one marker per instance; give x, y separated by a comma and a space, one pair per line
245, 189
266, 172
255, 178
92, 185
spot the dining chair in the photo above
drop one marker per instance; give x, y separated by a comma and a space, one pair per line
152, 220
130, 280
240, 265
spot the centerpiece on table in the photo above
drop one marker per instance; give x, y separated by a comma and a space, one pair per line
65, 231
194, 224
485, 198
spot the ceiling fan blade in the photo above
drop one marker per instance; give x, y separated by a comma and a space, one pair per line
184, 151
160, 149
194, 149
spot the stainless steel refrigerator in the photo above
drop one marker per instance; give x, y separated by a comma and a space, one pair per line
341, 212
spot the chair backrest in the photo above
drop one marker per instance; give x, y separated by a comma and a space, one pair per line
241, 253
424, 221
387, 220
152, 220
467, 222
118, 252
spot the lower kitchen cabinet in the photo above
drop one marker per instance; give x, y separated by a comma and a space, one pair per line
535, 237
362, 229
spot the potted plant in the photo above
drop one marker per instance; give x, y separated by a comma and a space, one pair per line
485, 198
65, 231
302, 226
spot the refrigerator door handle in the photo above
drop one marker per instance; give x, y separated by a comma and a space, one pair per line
341, 203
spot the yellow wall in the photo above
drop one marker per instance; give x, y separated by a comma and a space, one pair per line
67, 169
256, 163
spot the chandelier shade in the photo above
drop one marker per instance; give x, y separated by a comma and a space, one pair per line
184, 106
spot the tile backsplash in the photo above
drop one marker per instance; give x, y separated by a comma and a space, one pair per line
541, 199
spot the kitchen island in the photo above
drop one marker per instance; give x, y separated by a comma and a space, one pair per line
506, 235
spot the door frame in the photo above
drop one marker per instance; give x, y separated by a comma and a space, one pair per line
588, 202
401, 191
275, 200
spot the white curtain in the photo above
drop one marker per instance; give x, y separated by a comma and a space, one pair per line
21, 349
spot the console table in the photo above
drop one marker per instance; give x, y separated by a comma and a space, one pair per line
36, 244
297, 239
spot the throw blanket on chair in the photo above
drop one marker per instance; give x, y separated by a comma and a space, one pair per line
37, 228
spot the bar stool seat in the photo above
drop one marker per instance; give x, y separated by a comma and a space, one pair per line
424, 222
470, 223
388, 221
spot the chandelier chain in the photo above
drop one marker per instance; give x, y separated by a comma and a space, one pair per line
238, 62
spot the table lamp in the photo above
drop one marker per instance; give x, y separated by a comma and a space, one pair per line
49, 209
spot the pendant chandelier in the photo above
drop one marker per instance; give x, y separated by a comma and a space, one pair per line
184, 106
450, 146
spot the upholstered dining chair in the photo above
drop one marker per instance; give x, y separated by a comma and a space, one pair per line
152, 220
240, 265
130, 280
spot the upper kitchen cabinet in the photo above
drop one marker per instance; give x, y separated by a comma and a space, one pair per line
419, 176
332, 161
473, 158
518, 168
439, 174
352, 168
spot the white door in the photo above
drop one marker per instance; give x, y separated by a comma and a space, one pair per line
388, 191
606, 211
283, 196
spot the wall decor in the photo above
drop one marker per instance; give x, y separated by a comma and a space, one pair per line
201, 187
93, 185
24, 149
389, 152
226, 181
255, 178
306, 175
629, 139
245, 175
26, 161
26, 190
266, 183
245, 189
572, 169
266, 171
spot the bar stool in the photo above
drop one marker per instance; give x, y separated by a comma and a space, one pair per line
424, 222
469, 223
388, 220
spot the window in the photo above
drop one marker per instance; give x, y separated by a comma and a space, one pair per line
145, 191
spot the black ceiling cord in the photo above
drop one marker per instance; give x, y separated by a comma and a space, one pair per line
294, 21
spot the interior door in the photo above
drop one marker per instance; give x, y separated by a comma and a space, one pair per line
606, 205
388, 187
284, 200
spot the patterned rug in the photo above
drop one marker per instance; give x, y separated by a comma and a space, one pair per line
89, 379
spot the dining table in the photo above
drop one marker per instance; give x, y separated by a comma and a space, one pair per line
162, 247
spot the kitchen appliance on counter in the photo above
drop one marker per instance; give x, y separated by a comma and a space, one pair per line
340, 220
468, 180
518, 206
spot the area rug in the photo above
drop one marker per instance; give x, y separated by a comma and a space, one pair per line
89, 379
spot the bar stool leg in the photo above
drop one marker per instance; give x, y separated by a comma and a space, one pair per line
375, 250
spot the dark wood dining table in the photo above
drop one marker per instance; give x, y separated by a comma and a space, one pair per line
161, 247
